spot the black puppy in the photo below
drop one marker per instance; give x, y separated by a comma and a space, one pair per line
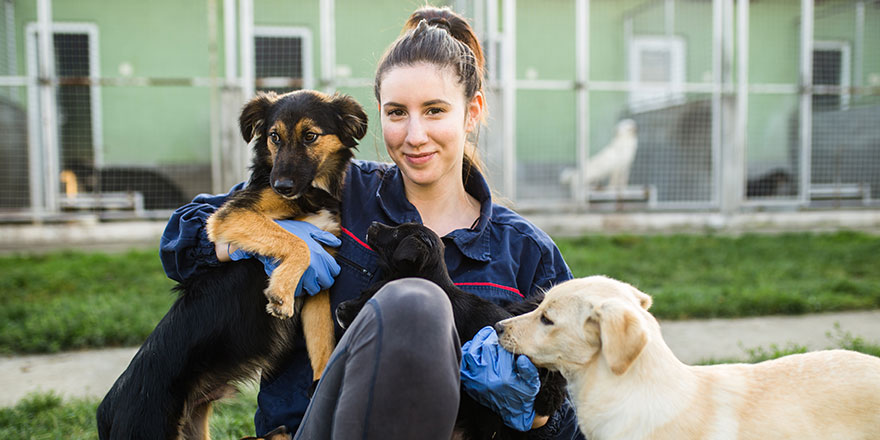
413, 250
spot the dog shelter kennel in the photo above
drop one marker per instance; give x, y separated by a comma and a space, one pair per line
127, 109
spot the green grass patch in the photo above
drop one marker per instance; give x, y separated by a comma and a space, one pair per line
46, 416
72, 300
698, 276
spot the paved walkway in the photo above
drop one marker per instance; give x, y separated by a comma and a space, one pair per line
91, 373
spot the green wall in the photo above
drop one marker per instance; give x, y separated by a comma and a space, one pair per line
170, 38
159, 38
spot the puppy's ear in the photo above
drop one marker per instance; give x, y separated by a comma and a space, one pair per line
643, 298
409, 252
623, 335
253, 115
351, 117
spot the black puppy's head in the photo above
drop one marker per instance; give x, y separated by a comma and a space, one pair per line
302, 138
409, 249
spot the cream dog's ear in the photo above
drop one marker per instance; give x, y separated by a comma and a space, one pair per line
623, 335
644, 299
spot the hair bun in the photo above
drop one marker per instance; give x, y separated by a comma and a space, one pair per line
440, 22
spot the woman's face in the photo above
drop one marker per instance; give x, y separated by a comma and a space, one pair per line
425, 121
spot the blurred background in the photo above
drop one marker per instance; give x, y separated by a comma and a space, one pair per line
127, 109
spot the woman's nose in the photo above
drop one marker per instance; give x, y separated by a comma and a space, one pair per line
415, 132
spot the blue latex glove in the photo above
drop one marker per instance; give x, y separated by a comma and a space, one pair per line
322, 267
500, 380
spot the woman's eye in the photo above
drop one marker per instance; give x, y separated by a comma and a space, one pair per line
310, 137
395, 113
275, 138
435, 111
545, 320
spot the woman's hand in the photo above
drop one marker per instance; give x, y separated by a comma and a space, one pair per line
500, 380
322, 266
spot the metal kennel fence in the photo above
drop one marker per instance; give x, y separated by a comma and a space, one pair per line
128, 109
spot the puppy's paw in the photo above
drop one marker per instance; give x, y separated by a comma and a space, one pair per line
281, 289
279, 307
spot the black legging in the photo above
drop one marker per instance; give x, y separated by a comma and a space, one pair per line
395, 372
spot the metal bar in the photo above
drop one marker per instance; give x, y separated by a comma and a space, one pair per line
246, 42
774, 89
144, 81
717, 83
213, 67
859, 44
11, 48
627, 48
13, 81
48, 110
328, 45
522, 84
35, 146
731, 168
229, 34
806, 101
97, 106
508, 84
478, 19
248, 71
546, 84
619, 86
625, 86
492, 38
740, 141
582, 73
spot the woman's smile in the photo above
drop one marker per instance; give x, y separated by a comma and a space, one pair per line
419, 158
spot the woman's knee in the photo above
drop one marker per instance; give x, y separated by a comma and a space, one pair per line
415, 302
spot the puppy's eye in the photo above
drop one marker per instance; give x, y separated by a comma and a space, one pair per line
275, 138
310, 137
545, 320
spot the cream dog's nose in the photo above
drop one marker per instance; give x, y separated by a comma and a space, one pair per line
499, 328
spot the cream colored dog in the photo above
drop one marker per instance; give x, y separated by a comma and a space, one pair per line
626, 384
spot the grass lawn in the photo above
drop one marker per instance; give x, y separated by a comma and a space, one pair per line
76, 300
46, 416
697, 276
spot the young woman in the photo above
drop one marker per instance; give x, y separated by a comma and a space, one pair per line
397, 371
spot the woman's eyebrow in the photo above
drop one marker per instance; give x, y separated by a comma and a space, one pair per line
435, 102
424, 104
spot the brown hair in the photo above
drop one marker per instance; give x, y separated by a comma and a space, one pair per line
443, 38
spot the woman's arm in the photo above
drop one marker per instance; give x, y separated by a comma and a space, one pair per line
184, 247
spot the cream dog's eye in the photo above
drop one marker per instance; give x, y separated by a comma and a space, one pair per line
545, 320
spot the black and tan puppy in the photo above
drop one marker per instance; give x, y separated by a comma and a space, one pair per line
413, 250
218, 331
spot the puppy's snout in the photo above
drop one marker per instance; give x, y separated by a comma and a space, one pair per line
343, 313
283, 186
499, 328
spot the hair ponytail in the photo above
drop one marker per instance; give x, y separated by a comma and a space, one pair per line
453, 23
